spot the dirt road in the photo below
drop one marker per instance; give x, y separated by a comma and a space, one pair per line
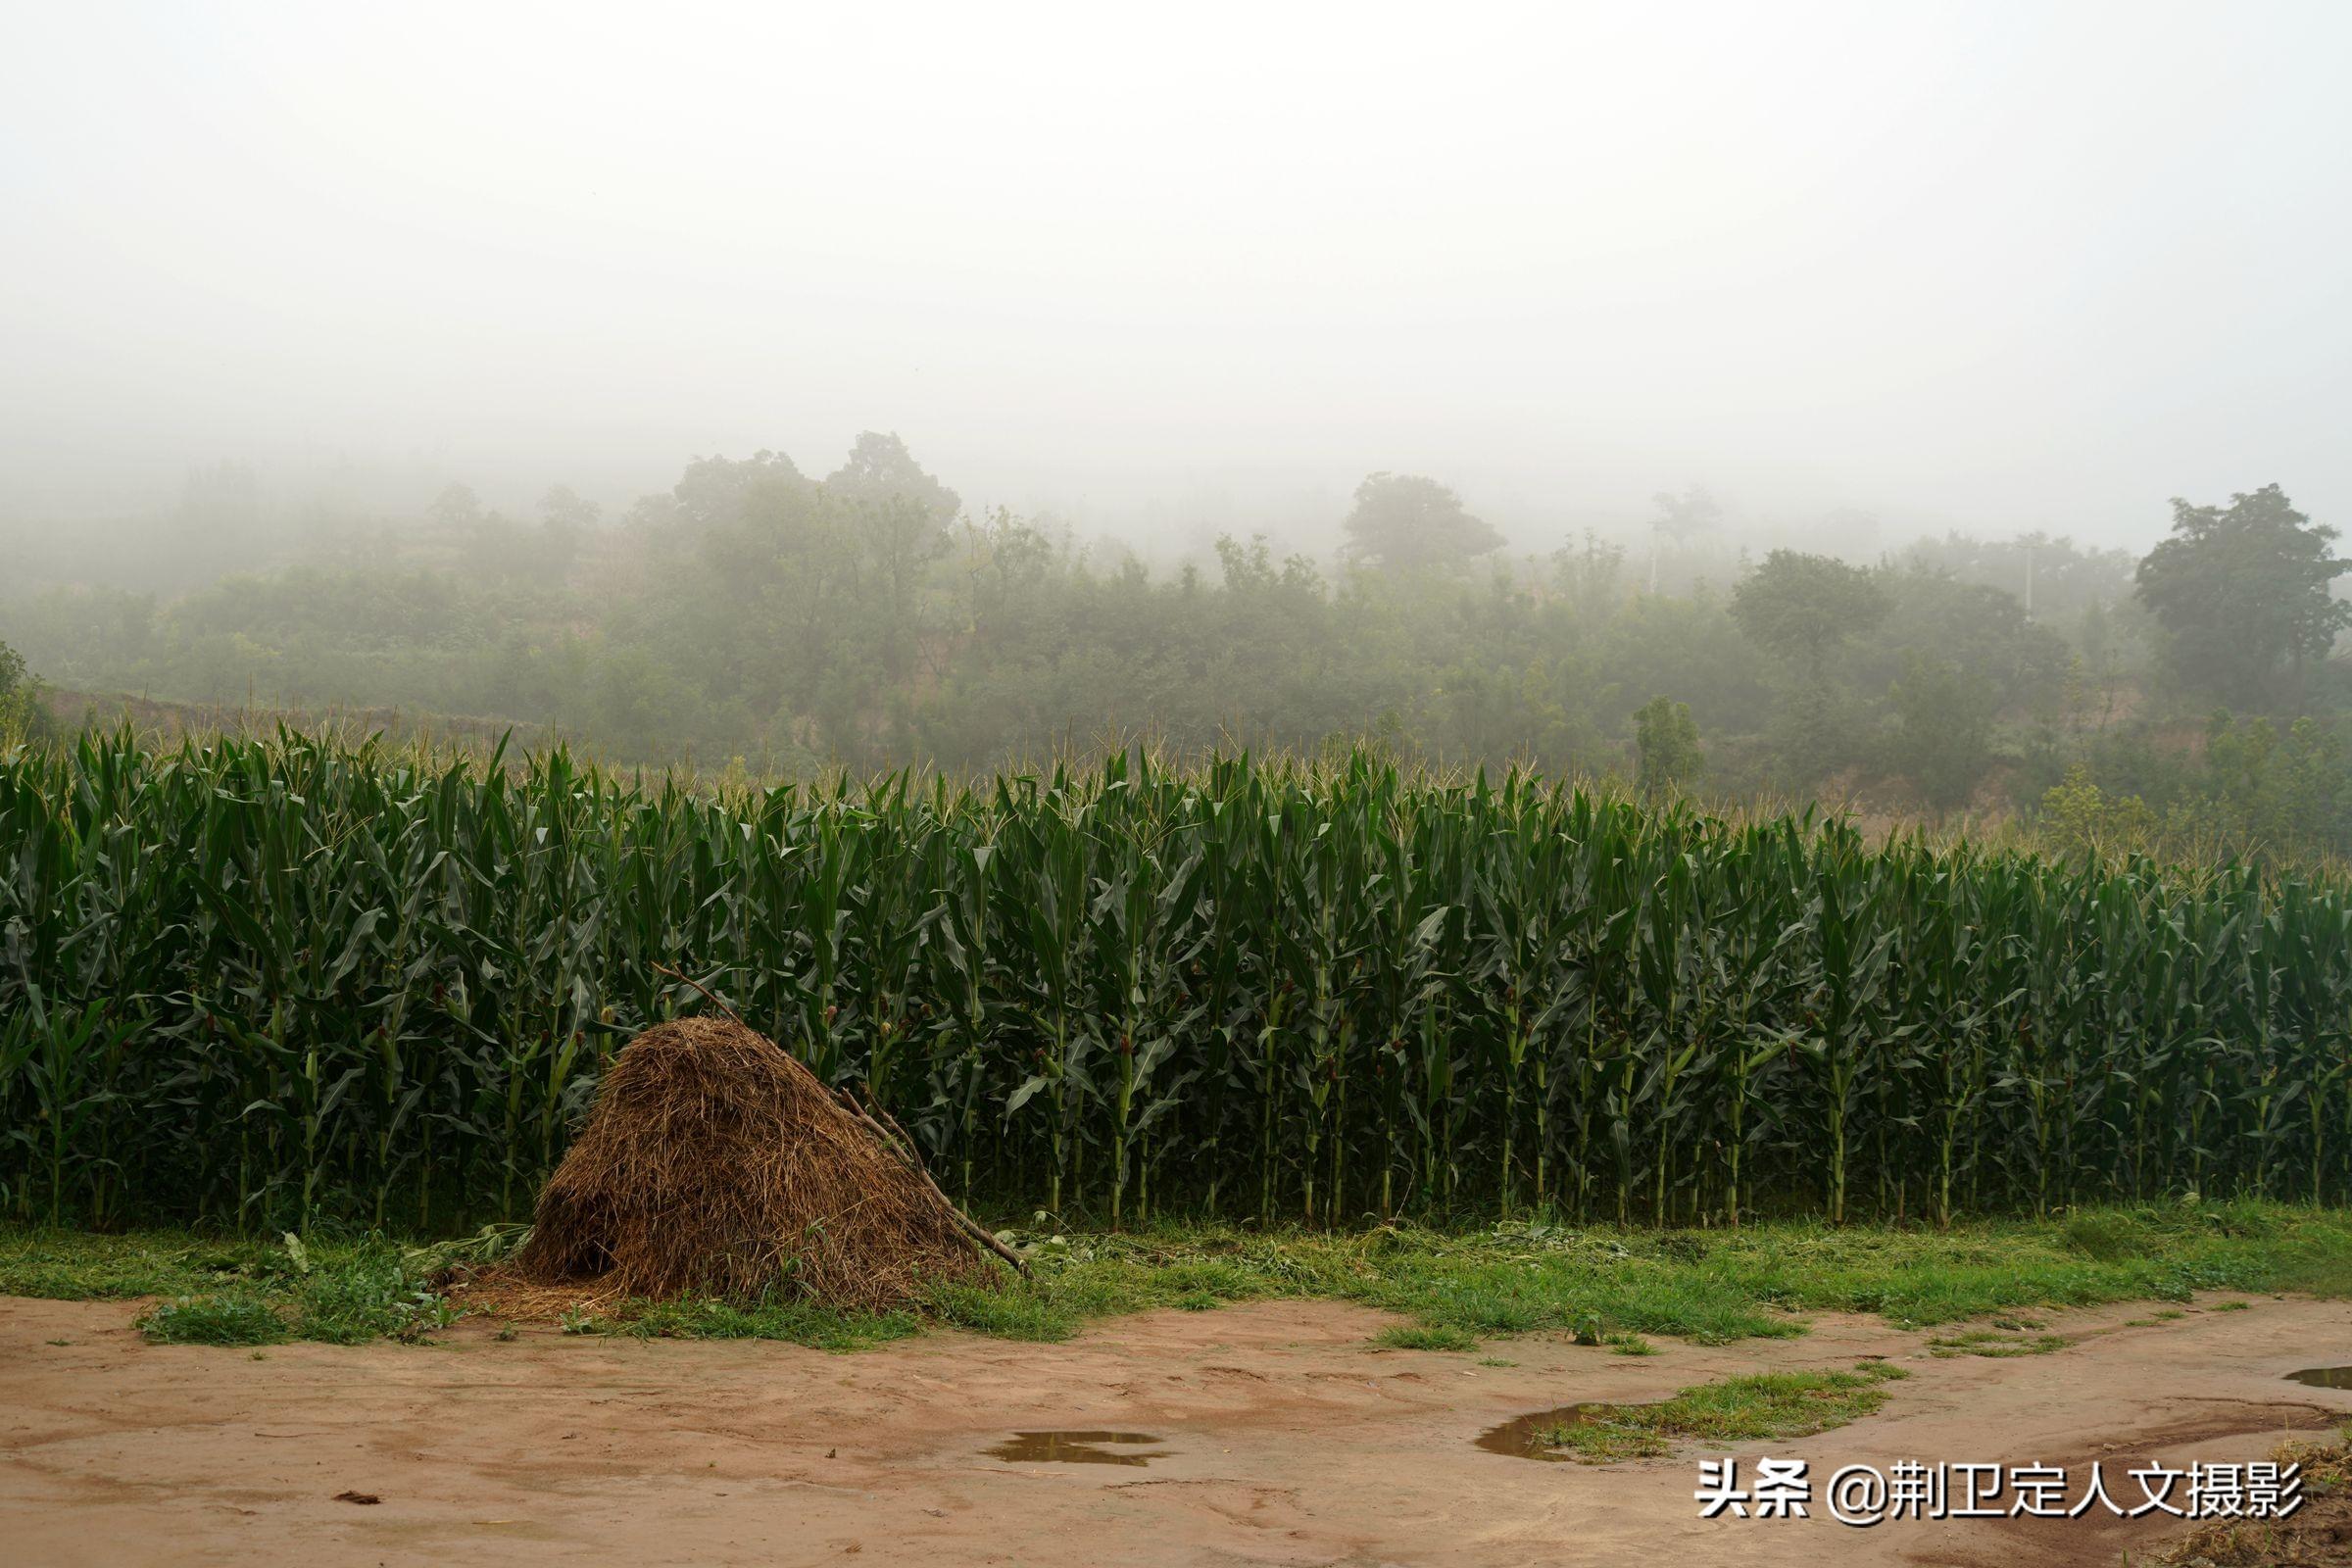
1278, 1436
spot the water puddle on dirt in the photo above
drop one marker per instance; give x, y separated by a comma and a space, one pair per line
1074, 1447
1528, 1436
2324, 1377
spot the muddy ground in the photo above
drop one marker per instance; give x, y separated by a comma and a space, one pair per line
1280, 1436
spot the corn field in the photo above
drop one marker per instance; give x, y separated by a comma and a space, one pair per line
261, 983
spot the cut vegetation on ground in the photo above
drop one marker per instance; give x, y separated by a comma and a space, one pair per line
2318, 1534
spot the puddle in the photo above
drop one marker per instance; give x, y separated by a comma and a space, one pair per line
2324, 1377
1073, 1447
1522, 1437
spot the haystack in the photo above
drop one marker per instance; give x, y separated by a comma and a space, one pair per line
714, 1164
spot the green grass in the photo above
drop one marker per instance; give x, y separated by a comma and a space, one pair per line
793, 1322
227, 1318
1611, 1288
2152, 1320
1614, 1285
1424, 1337
233, 1292
1742, 1409
1994, 1343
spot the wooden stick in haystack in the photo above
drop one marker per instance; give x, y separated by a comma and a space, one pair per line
709, 995
893, 1138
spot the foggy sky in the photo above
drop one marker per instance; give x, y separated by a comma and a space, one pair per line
1995, 266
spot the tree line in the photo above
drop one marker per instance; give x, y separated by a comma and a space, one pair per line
867, 619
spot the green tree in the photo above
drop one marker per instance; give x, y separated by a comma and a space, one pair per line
1944, 741
2268, 794
2242, 593
1803, 607
1666, 739
899, 516
722, 492
1685, 516
1586, 578
456, 507
881, 472
1682, 519
2080, 817
2055, 579
563, 508
17, 703
564, 517
1402, 521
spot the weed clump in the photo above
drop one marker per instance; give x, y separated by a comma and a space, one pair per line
2105, 1237
229, 1319
1739, 1409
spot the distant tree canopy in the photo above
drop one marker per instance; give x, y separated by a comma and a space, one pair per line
1685, 514
1665, 743
1943, 739
561, 507
866, 619
456, 507
2243, 595
1402, 521
881, 472
1803, 606
15, 697
2053, 577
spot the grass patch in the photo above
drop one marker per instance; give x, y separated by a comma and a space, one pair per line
1609, 1287
223, 1319
1424, 1337
75, 1266
792, 1322
1994, 1343
2107, 1236
1743, 1409
232, 1293
368, 1293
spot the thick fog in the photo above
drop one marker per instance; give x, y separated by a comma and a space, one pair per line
1989, 267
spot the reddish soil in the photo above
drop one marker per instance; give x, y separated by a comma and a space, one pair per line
1281, 1437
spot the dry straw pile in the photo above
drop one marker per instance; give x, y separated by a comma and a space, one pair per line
713, 1164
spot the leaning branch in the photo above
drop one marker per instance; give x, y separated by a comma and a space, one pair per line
891, 1136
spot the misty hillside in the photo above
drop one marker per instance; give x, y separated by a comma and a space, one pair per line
865, 618
1747, 402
